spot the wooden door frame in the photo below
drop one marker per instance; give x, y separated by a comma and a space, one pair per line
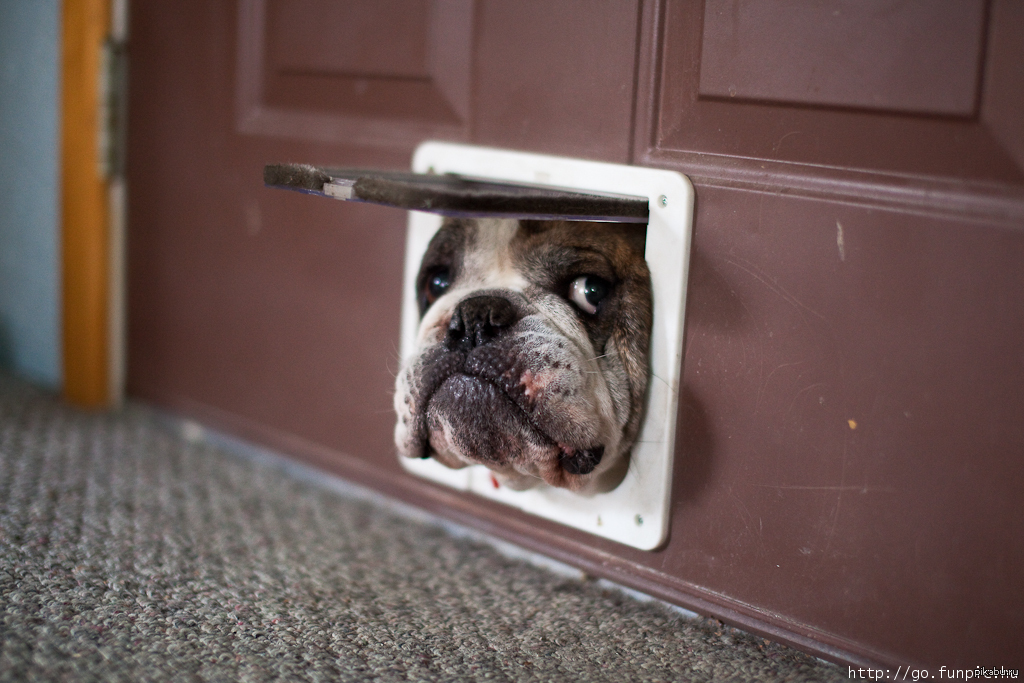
92, 208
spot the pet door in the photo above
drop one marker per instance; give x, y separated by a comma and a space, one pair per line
462, 180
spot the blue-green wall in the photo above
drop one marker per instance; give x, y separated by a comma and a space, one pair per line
29, 238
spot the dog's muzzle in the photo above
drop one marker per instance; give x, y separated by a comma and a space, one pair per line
476, 377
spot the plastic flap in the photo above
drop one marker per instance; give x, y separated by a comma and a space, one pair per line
456, 195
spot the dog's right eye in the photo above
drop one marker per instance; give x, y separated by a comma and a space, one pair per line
437, 284
588, 291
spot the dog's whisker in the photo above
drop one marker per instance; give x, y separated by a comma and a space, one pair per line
396, 357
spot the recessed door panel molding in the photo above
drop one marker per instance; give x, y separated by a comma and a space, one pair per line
376, 73
949, 145
1003, 102
908, 57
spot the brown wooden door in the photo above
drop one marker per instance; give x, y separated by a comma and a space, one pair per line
850, 456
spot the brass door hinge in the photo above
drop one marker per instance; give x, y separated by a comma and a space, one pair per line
114, 105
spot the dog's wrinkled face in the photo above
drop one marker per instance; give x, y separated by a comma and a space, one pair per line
531, 353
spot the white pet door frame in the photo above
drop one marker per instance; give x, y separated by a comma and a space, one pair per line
637, 512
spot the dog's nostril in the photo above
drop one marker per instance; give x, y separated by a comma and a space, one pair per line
479, 320
580, 462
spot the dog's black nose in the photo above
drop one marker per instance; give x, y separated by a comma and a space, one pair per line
478, 320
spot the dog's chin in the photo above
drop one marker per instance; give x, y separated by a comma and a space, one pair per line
471, 421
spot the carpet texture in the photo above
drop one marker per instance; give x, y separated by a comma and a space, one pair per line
128, 554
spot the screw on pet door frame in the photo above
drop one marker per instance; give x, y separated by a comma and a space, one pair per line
663, 200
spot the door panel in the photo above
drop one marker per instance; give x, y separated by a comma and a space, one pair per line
851, 431
384, 73
1003, 99
851, 257
919, 57
875, 129
848, 475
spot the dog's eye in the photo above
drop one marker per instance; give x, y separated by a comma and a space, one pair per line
437, 284
588, 291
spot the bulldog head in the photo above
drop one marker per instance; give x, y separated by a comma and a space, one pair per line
531, 354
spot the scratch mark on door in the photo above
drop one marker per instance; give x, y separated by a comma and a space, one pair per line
763, 384
839, 500
775, 287
856, 489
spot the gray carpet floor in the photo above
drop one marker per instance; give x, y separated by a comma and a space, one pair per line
129, 554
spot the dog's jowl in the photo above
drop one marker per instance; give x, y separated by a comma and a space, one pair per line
531, 353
